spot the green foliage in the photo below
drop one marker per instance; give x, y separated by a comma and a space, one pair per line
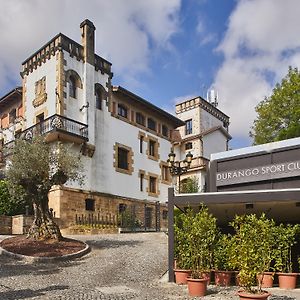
286, 237
128, 220
12, 200
189, 185
255, 241
225, 245
279, 115
37, 166
182, 225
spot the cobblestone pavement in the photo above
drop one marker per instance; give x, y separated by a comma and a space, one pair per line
119, 267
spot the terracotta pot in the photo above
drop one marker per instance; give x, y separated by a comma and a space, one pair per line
181, 276
197, 287
247, 296
223, 278
287, 280
237, 278
267, 280
206, 275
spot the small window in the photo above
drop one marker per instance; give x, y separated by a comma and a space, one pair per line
152, 184
165, 173
188, 127
12, 115
165, 131
72, 87
151, 124
98, 99
90, 204
140, 119
188, 146
141, 144
141, 182
165, 214
123, 158
122, 207
152, 146
122, 111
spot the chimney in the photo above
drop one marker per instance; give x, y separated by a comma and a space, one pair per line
88, 41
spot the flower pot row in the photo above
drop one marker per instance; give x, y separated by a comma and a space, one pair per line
223, 278
285, 280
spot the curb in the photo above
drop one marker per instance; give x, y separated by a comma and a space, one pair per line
33, 259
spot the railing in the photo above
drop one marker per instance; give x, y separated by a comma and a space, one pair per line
97, 220
55, 123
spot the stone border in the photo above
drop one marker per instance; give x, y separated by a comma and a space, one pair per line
41, 259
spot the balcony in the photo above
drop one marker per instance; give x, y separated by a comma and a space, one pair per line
199, 163
57, 128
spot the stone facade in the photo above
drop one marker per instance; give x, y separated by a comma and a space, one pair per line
67, 203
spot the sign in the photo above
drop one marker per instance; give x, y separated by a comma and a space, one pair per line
260, 173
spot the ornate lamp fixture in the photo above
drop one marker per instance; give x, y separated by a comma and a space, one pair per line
178, 168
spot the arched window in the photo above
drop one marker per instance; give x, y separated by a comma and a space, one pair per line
98, 99
72, 86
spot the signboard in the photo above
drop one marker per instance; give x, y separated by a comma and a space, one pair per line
260, 173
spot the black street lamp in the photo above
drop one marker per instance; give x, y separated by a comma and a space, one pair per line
178, 168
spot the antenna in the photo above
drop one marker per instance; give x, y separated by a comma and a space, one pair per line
212, 97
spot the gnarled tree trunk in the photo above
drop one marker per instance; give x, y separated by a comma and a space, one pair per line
43, 226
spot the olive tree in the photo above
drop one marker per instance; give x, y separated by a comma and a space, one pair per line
36, 166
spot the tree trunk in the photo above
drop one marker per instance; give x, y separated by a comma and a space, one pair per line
43, 226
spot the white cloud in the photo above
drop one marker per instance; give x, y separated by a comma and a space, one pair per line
261, 39
126, 31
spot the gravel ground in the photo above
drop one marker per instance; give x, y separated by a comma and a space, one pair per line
126, 266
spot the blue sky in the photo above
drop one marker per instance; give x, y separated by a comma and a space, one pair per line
167, 51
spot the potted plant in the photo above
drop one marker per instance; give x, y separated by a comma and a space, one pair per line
286, 239
182, 268
201, 242
222, 260
254, 241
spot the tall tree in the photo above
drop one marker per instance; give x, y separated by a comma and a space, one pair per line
36, 166
279, 115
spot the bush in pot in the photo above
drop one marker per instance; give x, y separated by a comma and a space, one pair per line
222, 259
253, 252
286, 238
182, 225
201, 241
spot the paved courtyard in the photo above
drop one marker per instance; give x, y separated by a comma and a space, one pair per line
127, 266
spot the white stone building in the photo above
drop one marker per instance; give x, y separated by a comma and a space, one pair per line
67, 95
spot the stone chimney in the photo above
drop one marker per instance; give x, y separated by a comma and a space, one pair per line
88, 41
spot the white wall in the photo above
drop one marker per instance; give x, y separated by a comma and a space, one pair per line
208, 121
213, 143
47, 69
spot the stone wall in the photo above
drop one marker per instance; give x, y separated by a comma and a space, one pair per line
67, 202
5, 225
21, 224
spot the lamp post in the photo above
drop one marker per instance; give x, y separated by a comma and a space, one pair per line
178, 168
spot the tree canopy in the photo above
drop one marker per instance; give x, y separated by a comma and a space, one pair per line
12, 200
278, 116
36, 166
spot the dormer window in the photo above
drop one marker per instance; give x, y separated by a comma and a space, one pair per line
165, 131
140, 119
122, 111
72, 87
151, 124
12, 116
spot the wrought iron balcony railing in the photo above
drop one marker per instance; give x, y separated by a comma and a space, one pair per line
56, 123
